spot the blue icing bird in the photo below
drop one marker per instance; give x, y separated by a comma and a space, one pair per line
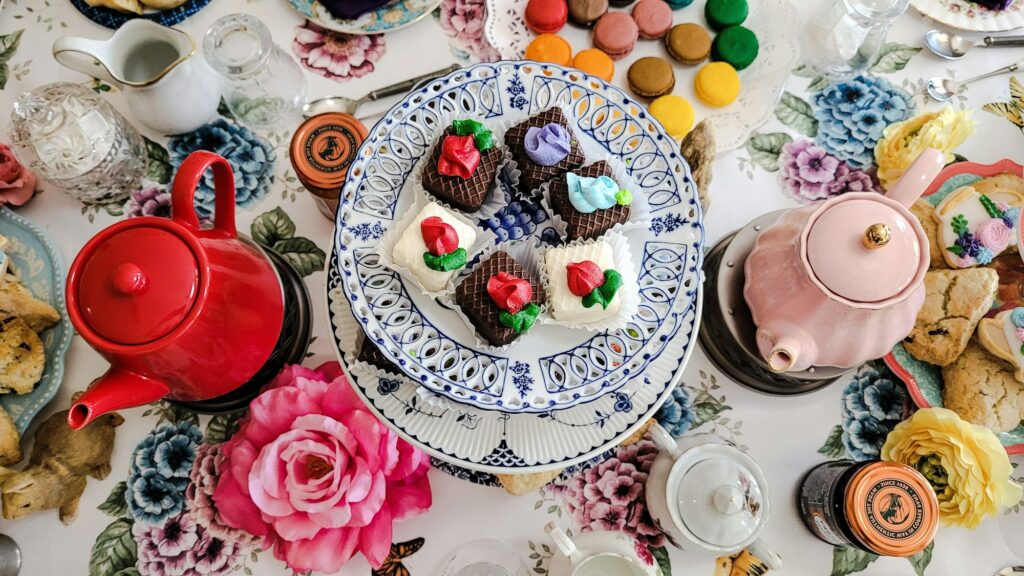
590, 194
1017, 317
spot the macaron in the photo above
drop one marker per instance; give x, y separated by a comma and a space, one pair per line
651, 77
616, 34
550, 48
594, 62
675, 114
653, 18
586, 12
677, 4
721, 14
736, 45
546, 16
688, 43
717, 84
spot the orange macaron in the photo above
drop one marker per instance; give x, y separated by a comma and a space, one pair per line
550, 48
595, 62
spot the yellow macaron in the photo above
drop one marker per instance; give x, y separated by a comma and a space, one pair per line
717, 84
675, 113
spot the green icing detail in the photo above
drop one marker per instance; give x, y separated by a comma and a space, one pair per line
959, 224
446, 262
956, 250
604, 293
484, 140
624, 197
482, 137
521, 321
1022, 348
990, 207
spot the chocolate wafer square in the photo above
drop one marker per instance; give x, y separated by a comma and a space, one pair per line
467, 195
476, 303
369, 353
578, 224
533, 175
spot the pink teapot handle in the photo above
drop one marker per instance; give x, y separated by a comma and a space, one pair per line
918, 177
183, 193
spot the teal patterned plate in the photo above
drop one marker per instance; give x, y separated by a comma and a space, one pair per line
392, 16
923, 380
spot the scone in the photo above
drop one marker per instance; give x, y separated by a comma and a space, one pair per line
923, 210
10, 440
131, 6
519, 484
1003, 181
982, 390
16, 300
21, 357
163, 4
955, 301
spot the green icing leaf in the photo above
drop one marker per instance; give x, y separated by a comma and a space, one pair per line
484, 140
990, 207
956, 250
833, 447
624, 197
114, 549
521, 321
959, 223
604, 293
764, 149
482, 137
847, 560
446, 262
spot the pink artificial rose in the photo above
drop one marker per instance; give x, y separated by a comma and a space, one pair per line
316, 475
17, 183
994, 235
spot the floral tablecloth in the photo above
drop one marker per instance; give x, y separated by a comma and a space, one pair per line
151, 515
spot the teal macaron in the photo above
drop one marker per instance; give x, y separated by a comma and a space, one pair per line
677, 4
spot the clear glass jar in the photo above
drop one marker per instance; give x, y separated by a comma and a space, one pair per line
843, 37
265, 86
78, 142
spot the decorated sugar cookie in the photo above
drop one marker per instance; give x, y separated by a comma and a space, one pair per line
1003, 336
974, 228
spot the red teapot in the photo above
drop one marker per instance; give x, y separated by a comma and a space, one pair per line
180, 309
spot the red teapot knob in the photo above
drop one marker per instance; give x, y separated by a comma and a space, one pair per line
128, 279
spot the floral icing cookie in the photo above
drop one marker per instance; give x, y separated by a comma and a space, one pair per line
463, 165
583, 284
434, 247
974, 228
1003, 337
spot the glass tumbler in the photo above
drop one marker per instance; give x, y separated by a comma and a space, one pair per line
843, 37
265, 86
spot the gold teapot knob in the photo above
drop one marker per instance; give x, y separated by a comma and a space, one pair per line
876, 236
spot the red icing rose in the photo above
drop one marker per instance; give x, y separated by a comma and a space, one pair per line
583, 277
510, 293
459, 157
439, 236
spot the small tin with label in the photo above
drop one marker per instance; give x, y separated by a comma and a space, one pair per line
322, 150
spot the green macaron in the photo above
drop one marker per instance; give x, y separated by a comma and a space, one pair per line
721, 14
736, 45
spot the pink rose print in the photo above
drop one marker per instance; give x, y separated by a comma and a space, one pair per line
337, 56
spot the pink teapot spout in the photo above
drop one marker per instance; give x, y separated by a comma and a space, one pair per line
115, 390
787, 347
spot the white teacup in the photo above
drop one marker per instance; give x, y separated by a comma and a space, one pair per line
598, 554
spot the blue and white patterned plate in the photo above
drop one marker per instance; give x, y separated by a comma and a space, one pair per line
389, 17
36, 261
113, 19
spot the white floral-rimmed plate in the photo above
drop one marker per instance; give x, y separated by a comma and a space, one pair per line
392, 16
966, 15
38, 264
763, 81
923, 380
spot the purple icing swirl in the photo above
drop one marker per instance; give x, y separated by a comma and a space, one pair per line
547, 146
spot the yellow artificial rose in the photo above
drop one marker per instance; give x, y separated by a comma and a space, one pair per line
903, 142
965, 463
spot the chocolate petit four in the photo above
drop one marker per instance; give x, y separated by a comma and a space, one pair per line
369, 353
434, 246
589, 201
462, 166
543, 147
583, 284
500, 299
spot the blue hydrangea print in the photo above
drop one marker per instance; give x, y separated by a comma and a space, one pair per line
159, 472
873, 403
852, 115
251, 157
677, 413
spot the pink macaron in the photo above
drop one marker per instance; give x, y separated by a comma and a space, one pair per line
616, 34
653, 18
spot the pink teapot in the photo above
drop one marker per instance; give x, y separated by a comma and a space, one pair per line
841, 282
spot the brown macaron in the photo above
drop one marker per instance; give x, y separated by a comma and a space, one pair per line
651, 77
688, 43
586, 12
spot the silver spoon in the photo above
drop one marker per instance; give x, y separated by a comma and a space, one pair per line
351, 105
954, 46
943, 89
10, 556
1010, 571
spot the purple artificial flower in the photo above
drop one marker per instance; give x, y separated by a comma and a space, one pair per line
152, 201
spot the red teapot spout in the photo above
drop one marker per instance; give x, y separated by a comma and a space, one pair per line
115, 390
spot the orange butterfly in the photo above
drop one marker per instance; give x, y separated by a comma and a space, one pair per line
392, 565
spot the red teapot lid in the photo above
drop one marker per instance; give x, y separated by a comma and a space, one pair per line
137, 281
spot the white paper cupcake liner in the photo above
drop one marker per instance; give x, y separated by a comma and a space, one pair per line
639, 208
523, 252
628, 294
484, 238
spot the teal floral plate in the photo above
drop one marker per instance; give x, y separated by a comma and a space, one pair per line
923, 380
389, 17
34, 258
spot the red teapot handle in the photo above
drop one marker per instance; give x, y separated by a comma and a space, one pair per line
186, 181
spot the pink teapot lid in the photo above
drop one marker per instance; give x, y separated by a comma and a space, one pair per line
864, 248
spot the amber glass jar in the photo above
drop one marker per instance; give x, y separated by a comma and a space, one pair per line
884, 508
322, 149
